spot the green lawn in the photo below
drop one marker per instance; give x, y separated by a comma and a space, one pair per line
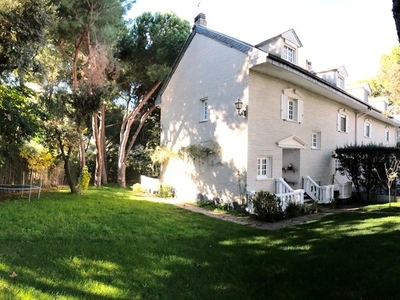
109, 245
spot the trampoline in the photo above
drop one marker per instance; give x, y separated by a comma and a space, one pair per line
11, 188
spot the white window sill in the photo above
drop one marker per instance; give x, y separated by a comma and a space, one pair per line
263, 178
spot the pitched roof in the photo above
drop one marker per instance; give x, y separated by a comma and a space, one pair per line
217, 36
289, 35
222, 38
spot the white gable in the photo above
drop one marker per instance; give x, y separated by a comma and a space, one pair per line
292, 142
292, 37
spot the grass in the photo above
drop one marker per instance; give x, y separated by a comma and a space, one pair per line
108, 244
394, 207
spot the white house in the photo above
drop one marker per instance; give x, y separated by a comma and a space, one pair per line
275, 122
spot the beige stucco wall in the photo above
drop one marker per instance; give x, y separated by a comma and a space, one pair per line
266, 129
208, 69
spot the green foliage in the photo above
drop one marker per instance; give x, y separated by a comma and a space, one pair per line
267, 206
387, 80
202, 150
38, 157
166, 191
149, 49
23, 25
138, 189
294, 209
83, 181
365, 164
19, 118
161, 155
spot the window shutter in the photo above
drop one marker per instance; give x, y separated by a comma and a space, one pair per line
347, 124
339, 117
300, 111
370, 130
284, 107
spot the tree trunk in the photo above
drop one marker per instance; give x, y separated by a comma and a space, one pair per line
99, 151
82, 151
102, 130
67, 167
124, 136
121, 173
125, 130
70, 181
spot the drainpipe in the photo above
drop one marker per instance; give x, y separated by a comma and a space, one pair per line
356, 128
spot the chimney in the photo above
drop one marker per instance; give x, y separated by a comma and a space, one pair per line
200, 20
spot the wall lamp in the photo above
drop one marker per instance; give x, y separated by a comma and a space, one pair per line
239, 106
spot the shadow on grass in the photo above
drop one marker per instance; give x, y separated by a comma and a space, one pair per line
140, 250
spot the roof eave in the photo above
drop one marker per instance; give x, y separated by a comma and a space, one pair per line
280, 68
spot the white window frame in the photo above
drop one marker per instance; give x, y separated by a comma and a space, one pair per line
204, 110
387, 135
316, 140
292, 109
342, 117
367, 129
264, 167
340, 82
338, 165
289, 53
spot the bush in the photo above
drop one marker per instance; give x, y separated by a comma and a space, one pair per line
267, 206
138, 189
83, 181
167, 191
294, 209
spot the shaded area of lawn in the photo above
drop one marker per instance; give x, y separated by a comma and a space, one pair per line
107, 245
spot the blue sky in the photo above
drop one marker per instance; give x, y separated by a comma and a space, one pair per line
353, 33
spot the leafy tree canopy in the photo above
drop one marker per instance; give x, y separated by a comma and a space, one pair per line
149, 49
23, 26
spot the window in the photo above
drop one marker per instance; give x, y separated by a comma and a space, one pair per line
338, 165
288, 54
340, 82
264, 167
342, 123
291, 109
316, 140
367, 129
204, 110
387, 135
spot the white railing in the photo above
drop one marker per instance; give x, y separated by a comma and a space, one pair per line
283, 191
282, 187
297, 196
321, 194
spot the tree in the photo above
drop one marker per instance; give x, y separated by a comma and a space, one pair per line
19, 119
23, 25
147, 52
387, 81
396, 16
365, 165
80, 35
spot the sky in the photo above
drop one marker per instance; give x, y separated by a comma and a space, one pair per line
353, 33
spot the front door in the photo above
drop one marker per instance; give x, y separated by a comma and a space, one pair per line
291, 167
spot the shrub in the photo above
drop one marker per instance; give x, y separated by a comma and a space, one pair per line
267, 206
167, 191
83, 181
138, 189
294, 209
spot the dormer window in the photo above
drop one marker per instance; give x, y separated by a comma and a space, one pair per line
340, 82
289, 53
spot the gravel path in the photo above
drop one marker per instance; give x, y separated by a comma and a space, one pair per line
250, 222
